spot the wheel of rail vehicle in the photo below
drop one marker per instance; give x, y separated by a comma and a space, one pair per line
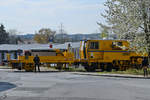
59, 66
29, 67
90, 68
102, 67
93, 67
109, 67
87, 68
115, 66
20, 66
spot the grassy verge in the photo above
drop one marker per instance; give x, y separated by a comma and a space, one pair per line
129, 71
5, 67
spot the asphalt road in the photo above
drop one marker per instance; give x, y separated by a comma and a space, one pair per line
68, 86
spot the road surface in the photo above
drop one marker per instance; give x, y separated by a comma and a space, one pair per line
69, 86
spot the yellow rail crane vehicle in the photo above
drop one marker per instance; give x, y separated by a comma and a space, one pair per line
108, 55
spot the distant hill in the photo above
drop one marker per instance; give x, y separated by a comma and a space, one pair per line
67, 37
77, 37
27, 36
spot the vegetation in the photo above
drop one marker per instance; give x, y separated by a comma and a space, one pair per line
44, 35
129, 71
8, 37
105, 31
130, 19
4, 36
13, 38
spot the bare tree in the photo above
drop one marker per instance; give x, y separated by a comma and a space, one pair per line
13, 38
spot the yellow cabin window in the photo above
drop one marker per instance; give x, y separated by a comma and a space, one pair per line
94, 45
120, 44
117, 45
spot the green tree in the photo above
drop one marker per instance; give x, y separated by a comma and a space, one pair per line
4, 36
45, 35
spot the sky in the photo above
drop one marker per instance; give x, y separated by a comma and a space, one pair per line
28, 16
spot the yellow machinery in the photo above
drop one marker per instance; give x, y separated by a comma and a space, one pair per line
108, 55
94, 54
48, 57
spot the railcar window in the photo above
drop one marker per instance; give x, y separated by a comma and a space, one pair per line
94, 45
27, 53
119, 43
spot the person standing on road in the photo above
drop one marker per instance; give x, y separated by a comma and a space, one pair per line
37, 62
145, 67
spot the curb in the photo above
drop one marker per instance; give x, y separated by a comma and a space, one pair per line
113, 75
5, 68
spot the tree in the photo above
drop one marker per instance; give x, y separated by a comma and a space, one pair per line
104, 31
45, 35
4, 36
13, 32
130, 19
13, 38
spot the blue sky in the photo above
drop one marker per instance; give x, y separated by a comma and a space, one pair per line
28, 16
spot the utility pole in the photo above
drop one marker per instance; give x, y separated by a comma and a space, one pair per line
61, 28
61, 31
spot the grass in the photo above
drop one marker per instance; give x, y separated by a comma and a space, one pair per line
129, 71
5, 67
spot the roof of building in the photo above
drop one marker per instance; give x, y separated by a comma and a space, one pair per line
12, 47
